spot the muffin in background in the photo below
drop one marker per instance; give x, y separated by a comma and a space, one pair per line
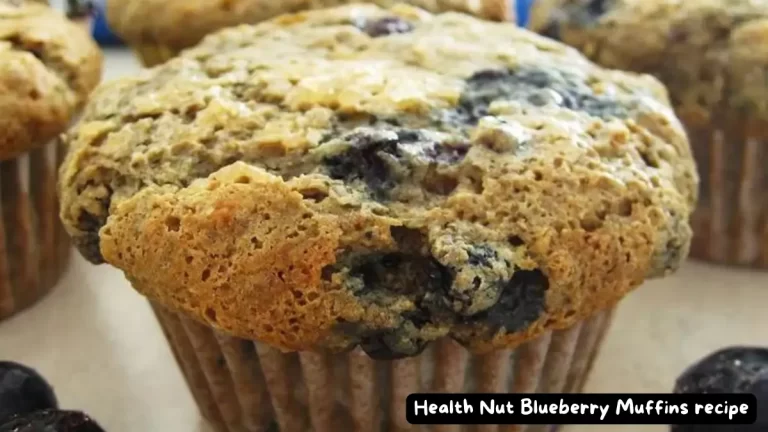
48, 67
713, 57
398, 202
158, 30
81, 12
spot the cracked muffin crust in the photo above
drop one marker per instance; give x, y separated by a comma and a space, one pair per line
391, 178
180, 24
48, 66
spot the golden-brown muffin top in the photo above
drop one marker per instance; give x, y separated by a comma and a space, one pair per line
48, 66
391, 177
180, 24
711, 54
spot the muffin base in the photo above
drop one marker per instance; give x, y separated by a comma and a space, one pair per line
242, 385
730, 224
34, 249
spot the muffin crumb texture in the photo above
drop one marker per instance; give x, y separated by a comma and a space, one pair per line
392, 178
48, 66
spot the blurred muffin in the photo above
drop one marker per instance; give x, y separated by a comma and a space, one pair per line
461, 199
158, 29
47, 68
81, 12
713, 57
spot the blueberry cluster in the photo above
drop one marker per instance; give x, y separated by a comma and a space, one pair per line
381, 159
28, 404
537, 87
380, 279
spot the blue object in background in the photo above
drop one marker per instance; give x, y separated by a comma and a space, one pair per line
523, 11
101, 31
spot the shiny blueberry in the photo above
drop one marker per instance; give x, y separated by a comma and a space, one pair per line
730, 370
22, 391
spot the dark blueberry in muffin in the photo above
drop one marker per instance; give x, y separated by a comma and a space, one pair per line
386, 26
52, 421
730, 370
23, 390
522, 301
537, 87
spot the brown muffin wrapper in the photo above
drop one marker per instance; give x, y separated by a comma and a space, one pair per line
245, 386
34, 249
731, 222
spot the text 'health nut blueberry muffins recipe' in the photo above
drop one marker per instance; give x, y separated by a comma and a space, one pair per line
398, 202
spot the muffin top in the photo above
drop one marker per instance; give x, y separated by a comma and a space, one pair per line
48, 65
391, 177
180, 24
711, 54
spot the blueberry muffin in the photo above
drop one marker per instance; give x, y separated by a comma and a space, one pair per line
159, 29
713, 56
47, 68
439, 192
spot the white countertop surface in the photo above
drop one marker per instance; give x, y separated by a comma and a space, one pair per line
98, 343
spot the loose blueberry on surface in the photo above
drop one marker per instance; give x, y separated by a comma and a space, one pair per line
534, 86
52, 421
522, 301
730, 370
386, 26
23, 390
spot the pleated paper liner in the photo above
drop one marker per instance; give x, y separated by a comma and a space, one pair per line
731, 222
34, 249
245, 386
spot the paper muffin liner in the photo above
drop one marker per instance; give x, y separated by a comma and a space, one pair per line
34, 249
731, 222
243, 385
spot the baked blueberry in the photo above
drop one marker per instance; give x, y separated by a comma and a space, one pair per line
537, 87
386, 26
730, 370
522, 301
52, 421
23, 390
